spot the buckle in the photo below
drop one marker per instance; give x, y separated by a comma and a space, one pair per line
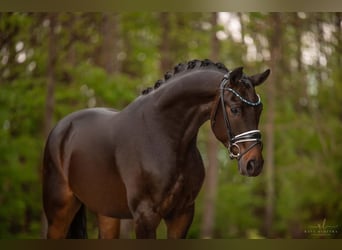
232, 148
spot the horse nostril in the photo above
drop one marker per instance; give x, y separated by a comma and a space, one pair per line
251, 167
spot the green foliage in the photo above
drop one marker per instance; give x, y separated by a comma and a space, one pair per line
20, 159
237, 202
308, 169
114, 91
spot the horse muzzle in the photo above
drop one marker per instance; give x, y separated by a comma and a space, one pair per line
252, 167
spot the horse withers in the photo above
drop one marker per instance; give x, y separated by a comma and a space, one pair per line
143, 162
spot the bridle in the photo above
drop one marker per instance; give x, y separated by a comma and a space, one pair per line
248, 136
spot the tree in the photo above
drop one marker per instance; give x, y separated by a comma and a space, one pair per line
211, 181
110, 47
96, 59
164, 47
275, 40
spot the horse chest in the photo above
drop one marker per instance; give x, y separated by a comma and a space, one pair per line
180, 195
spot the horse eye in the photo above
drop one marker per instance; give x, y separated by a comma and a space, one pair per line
235, 110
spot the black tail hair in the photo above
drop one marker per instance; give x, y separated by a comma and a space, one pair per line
78, 226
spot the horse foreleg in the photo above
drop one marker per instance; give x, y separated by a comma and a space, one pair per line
146, 221
109, 228
178, 224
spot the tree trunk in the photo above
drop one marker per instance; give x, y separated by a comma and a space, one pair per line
275, 50
210, 187
302, 100
164, 47
338, 25
110, 46
50, 90
239, 15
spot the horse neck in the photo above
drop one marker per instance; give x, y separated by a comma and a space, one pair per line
185, 102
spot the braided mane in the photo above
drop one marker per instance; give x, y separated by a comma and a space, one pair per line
182, 67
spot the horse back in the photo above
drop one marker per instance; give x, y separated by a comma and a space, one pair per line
76, 125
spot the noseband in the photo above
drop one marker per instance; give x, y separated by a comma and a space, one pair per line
248, 136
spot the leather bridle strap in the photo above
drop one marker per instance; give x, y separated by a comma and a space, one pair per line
248, 136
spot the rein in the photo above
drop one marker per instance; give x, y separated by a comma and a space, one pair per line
248, 136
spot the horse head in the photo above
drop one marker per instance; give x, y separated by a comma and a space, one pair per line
235, 117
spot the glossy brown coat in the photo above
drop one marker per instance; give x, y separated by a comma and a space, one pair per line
140, 163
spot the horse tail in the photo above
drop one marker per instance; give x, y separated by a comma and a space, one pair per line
78, 226
56, 160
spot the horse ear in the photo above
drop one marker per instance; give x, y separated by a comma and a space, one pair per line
236, 75
260, 78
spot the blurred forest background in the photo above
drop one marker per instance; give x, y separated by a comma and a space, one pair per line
52, 64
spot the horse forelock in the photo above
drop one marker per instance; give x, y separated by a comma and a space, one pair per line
185, 67
245, 88
246, 82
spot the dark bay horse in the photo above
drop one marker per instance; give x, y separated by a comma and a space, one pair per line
142, 162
